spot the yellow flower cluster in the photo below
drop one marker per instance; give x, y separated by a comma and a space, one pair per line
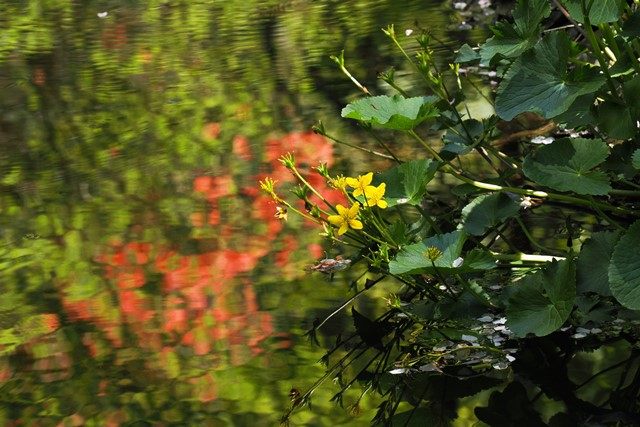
347, 217
372, 194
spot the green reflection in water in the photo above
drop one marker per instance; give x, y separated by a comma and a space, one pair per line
144, 280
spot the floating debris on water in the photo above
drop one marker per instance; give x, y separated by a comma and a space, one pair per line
331, 265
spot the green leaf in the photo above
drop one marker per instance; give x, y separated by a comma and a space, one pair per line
540, 80
601, 11
631, 27
615, 120
419, 417
511, 40
635, 159
369, 331
624, 269
487, 211
620, 162
566, 164
593, 262
413, 258
466, 54
579, 113
510, 407
389, 112
542, 301
407, 183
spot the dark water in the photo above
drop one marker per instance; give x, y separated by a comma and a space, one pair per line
145, 280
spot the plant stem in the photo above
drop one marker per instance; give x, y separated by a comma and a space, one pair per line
542, 194
526, 257
595, 46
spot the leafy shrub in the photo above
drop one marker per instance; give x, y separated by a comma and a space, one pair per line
532, 260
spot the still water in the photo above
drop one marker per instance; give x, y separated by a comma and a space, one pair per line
145, 280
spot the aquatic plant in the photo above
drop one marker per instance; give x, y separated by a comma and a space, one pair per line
510, 244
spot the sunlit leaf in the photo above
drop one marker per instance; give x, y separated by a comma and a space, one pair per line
566, 165
600, 12
407, 183
414, 259
541, 302
392, 112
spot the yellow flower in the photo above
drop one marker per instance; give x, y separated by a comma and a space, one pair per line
374, 195
359, 183
346, 218
339, 183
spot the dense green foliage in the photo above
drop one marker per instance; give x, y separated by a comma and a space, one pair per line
530, 265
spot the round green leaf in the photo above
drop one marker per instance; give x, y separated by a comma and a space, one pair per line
540, 80
624, 269
566, 164
392, 112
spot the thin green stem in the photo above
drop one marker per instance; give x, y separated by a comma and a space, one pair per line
526, 257
366, 150
595, 46
542, 194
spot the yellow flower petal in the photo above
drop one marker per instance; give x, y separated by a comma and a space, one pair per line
351, 182
353, 211
355, 224
343, 228
335, 219
382, 204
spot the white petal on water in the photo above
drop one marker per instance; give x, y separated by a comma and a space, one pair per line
102, 15
500, 321
500, 365
510, 358
457, 262
399, 371
579, 335
486, 318
407, 33
469, 338
428, 368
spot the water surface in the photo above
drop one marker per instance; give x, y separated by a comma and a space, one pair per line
145, 280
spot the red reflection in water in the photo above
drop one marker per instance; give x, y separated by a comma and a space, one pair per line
163, 299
